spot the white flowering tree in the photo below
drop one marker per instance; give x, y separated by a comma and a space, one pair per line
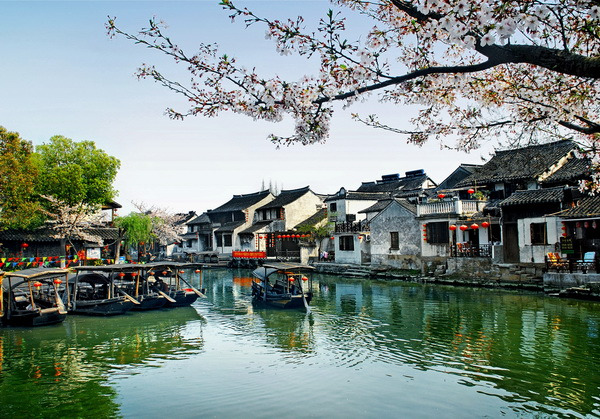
166, 226
520, 69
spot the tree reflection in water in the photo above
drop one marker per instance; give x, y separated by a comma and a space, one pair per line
63, 370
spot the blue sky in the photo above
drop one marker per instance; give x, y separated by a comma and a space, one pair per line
61, 74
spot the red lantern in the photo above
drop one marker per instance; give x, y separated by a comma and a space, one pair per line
304, 278
441, 195
278, 236
165, 273
37, 284
197, 271
150, 273
463, 227
25, 245
453, 227
57, 281
485, 224
578, 224
471, 191
332, 238
121, 274
134, 274
474, 226
586, 224
181, 272
291, 279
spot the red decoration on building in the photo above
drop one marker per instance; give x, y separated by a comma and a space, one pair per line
453, 227
441, 195
25, 245
57, 281
197, 271
463, 227
332, 238
37, 284
471, 191
121, 274
485, 224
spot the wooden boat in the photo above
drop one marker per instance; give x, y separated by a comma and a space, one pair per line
283, 285
94, 292
128, 281
31, 297
166, 278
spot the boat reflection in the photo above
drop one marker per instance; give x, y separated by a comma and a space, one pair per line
65, 369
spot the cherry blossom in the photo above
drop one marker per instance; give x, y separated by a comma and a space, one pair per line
523, 70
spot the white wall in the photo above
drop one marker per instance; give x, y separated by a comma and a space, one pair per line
536, 253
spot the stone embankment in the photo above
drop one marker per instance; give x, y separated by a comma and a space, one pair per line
461, 272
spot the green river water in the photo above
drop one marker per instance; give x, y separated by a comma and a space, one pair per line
369, 349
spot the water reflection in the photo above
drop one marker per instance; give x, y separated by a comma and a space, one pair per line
537, 354
64, 370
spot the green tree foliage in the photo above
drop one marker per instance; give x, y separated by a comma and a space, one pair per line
76, 172
19, 207
135, 228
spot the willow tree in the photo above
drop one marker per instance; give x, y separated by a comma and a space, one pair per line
526, 70
134, 229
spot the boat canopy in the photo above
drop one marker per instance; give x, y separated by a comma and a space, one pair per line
38, 273
269, 269
119, 267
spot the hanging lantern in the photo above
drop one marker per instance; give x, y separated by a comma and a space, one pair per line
474, 226
141, 243
304, 278
463, 228
291, 279
471, 191
441, 195
278, 236
197, 271
578, 224
165, 273
453, 227
563, 228
564, 234
37, 284
485, 224
25, 245
181, 272
121, 274
586, 224
134, 274
57, 281
332, 238
150, 273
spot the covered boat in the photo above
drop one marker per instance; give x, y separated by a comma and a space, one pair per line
128, 281
31, 297
167, 279
283, 285
95, 292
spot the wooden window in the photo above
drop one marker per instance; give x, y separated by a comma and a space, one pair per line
394, 240
538, 233
438, 233
347, 243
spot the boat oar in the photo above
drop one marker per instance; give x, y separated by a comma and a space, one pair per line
303, 297
169, 299
193, 289
127, 296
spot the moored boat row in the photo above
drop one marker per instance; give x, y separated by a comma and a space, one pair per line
41, 296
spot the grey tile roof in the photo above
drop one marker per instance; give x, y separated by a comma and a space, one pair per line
573, 170
286, 197
376, 207
201, 219
457, 175
536, 196
45, 234
404, 183
241, 202
586, 207
314, 219
519, 164
256, 227
229, 227
359, 196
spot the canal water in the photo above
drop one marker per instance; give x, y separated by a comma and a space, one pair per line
369, 349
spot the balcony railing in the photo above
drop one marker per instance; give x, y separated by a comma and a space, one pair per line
456, 207
467, 250
352, 227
